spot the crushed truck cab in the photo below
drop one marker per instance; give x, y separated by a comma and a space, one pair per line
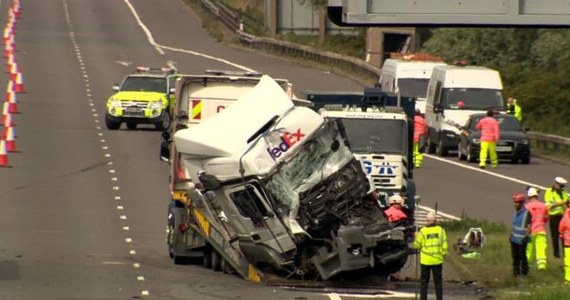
144, 97
273, 190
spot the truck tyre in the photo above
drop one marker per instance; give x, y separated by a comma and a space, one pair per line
441, 150
165, 122
207, 258
216, 261
131, 125
525, 160
226, 267
179, 260
112, 125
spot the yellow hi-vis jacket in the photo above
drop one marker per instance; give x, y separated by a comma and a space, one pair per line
554, 197
432, 243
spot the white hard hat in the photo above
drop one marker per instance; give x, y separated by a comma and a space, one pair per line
396, 199
560, 180
532, 192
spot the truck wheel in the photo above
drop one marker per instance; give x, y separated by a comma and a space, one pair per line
441, 150
525, 160
112, 125
179, 260
459, 154
226, 267
216, 261
165, 122
131, 125
207, 258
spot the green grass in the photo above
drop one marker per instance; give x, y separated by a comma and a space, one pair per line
494, 268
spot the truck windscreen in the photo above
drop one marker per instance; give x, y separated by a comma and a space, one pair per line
316, 160
413, 87
471, 98
376, 135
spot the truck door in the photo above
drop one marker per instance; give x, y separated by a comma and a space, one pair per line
256, 222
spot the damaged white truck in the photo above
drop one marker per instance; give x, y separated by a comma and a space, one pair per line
270, 190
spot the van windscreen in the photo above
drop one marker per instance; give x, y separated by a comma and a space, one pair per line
472, 98
413, 87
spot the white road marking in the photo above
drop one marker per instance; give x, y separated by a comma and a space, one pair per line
486, 172
386, 294
151, 40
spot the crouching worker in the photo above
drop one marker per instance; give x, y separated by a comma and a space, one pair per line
396, 211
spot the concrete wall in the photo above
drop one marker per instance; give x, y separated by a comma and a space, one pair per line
294, 17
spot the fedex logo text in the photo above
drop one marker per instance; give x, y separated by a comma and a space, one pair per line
288, 140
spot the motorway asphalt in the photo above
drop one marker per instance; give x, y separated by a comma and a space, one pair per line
83, 209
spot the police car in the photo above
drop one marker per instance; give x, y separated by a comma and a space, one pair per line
144, 97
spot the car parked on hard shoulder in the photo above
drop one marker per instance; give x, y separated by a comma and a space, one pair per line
144, 97
513, 143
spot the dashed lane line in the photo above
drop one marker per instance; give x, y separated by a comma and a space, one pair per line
112, 172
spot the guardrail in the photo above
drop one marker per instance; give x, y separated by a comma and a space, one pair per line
550, 142
235, 22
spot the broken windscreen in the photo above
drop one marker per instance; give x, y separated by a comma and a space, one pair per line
381, 136
318, 158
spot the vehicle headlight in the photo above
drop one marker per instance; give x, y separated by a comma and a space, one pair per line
155, 105
476, 141
115, 103
524, 142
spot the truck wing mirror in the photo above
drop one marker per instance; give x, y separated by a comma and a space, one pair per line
115, 87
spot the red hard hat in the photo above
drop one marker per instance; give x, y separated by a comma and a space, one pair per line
519, 197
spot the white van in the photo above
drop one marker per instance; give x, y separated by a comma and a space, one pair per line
409, 75
454, 93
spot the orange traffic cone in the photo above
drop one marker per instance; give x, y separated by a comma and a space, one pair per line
13, 70
10, 139
3, 154
19, 85
8, 120
10, 107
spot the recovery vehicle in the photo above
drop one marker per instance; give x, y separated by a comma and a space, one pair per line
270, 190
379, 129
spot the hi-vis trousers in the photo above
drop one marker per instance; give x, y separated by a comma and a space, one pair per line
536, 249
491, 148
418, 156
567, 263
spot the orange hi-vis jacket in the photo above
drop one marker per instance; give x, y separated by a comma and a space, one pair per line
489, 127
420, 128
395, 214
538, 216
564, 228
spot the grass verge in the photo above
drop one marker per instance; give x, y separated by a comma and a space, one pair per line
493, 269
